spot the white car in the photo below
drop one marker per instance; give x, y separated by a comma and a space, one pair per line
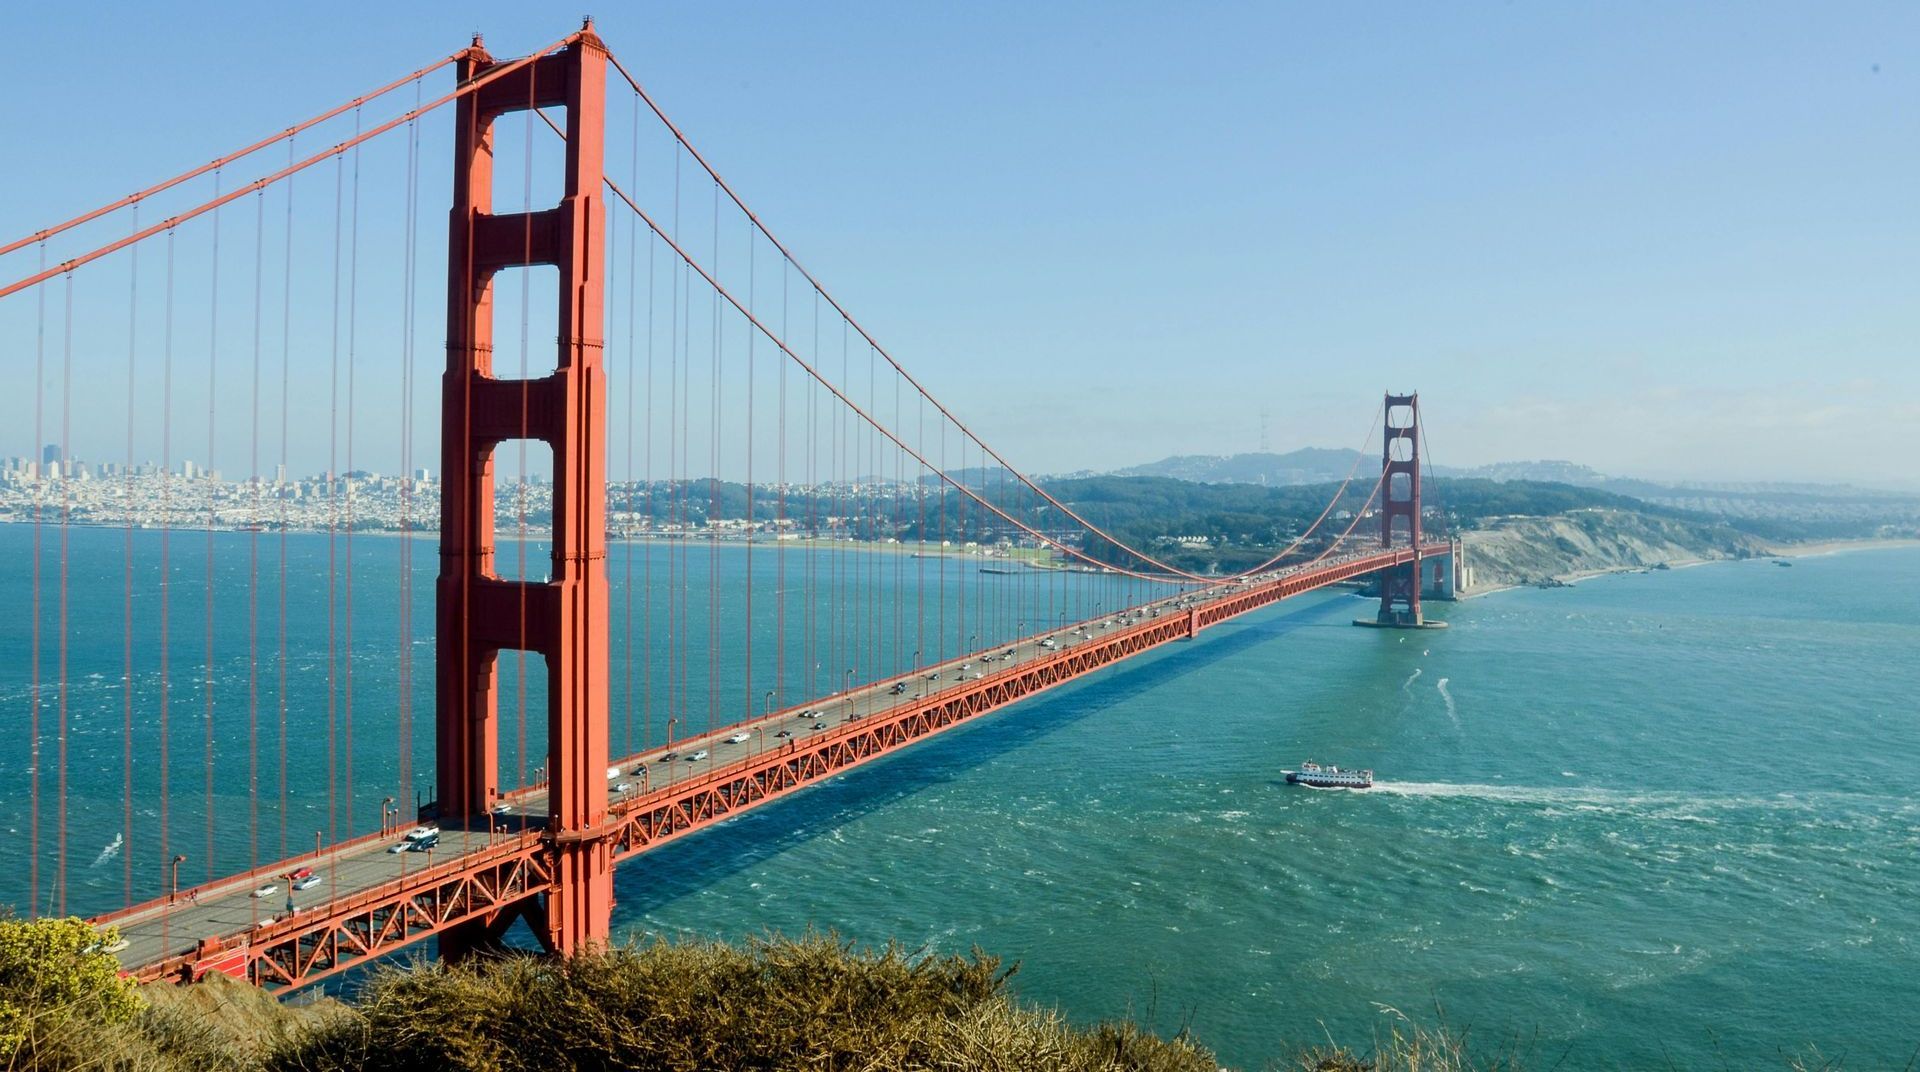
622, 787
399, 847
502, 808
307, 883
420, 833
266, 891
737, 738
696, 757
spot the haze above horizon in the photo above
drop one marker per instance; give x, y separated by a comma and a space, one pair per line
1670, 244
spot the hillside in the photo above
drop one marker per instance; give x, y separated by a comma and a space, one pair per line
1531, 550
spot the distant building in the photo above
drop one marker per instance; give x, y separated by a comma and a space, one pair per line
50, 454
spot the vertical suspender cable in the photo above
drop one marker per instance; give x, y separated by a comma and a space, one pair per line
653, 518
526, 402
39, 501
206, 480
333, 509
747, 621
126, 594
633, 238
166, 574
66, 524
346, 640
286, 376
713, 485
780, 515
404, 765
253, 545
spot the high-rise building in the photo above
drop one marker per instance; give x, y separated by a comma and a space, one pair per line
188, 470
279, 475
50, 454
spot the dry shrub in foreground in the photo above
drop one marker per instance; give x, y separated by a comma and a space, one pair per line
808, 1003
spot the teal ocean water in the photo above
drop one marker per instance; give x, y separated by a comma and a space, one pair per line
1651, 819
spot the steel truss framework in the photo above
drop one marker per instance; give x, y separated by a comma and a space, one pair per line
490, 887
652, 821
486, 887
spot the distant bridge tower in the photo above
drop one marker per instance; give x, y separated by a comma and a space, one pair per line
1400, 517
478, 613
1400, 507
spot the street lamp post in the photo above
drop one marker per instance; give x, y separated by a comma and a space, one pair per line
387, 809
173, 883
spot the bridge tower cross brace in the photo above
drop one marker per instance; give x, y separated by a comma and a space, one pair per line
479, 614
1400, 501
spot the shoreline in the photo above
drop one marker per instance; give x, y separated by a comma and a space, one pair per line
1813, 549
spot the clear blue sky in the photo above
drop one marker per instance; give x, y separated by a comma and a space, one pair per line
1660, 239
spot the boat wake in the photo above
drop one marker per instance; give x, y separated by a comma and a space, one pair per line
1407, 685
1452, 712
112, 850
1680, 806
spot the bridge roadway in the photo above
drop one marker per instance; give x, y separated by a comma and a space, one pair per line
371, 901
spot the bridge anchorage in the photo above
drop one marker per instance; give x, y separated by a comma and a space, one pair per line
1402, 585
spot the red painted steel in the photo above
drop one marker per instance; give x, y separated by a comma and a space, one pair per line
474, 897
1400, 502
466, 89
482, 888
480, 614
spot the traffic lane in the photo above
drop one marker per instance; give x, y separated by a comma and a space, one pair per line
650, 771
230, 909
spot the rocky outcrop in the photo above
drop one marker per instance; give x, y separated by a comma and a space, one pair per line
1541, 550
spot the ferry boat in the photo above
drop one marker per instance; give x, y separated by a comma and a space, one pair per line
1314, 775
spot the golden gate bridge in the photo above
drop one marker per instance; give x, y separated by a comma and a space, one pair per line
690, 343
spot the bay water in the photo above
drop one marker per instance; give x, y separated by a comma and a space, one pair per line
1650, 820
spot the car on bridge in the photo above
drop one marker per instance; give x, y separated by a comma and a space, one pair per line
306, 881
267, 890
695, 757
737, 738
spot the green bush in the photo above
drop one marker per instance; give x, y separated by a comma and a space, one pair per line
57, 989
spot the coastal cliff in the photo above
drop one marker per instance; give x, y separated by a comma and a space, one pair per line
1508, 551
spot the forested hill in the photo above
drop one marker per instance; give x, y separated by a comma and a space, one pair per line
1226, 527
